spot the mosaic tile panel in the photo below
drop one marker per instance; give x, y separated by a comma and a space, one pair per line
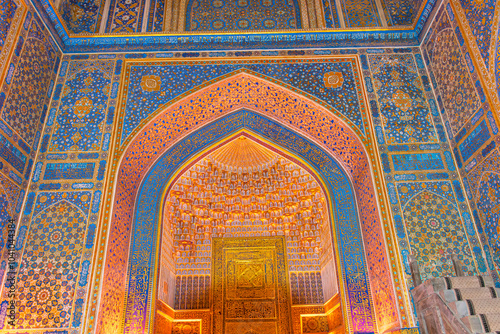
488, 204
83, 107
497, 64
230, 15
435, 230
360, 13
331, 15
24, 104
82, 16
7, 11
480, 15
457, 90
244, 96
125, 16
400, 13
151, 86
48, 277
405, 113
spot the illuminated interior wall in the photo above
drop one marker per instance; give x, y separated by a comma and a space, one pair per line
29, 60
437, 138
469, 104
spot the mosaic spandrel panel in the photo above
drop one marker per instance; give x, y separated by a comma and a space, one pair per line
151, 86
405, 112
230, 15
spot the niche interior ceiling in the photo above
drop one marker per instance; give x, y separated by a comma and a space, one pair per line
244, 189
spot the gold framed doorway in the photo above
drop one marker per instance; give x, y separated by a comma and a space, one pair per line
250, 288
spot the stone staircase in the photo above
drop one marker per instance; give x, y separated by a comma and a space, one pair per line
456, 305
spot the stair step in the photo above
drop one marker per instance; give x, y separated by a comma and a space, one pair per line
452, 295
467, 307
462, 282
483, 323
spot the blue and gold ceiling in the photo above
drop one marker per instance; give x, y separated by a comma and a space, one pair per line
114, 25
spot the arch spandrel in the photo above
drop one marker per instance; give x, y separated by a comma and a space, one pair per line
303, 116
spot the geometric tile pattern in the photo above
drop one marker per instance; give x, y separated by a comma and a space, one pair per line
24, 104
401, 12
7, 11
125, 16
488, 204
405, 113
82, 16
49, 271
458, 92
230, 15
360, 13
479, 15
435, 231
83, 108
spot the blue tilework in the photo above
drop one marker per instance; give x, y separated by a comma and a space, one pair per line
229, 15
177, 79
480, 19
83, 107
11, 154
82, 16
435, 230
360, 13
405, 113
453, 80
7, 11
401, 12
24, 104
474, 141
59, 171
419, 161
331, 15
488, 203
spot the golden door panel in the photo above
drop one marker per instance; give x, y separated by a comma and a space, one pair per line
250, 286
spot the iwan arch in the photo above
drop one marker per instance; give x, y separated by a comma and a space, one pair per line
297, 126
249, 166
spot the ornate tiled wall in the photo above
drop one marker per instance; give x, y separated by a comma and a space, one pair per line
471, 118
59, 219
422, 180
29, 61
431, 217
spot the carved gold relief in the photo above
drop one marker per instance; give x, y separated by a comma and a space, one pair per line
250, 286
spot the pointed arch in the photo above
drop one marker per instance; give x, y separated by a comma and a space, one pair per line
278, 113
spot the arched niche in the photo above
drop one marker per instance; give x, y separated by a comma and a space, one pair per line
128, 276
